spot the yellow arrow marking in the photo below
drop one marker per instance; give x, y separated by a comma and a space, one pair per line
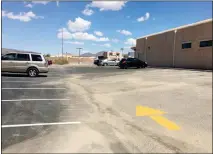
165, 122
146, 111
156, 116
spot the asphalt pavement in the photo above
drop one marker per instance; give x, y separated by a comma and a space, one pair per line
75, 109
31, 101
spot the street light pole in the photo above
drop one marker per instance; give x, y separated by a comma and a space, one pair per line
122, 49
62, 44
79, 53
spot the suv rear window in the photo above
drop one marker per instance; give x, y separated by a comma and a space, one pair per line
23, 57
36, 57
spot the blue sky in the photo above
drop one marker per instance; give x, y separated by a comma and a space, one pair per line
94, 26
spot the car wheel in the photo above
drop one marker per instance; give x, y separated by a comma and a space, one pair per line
32, 72
105, 64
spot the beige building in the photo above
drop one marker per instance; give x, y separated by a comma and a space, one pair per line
112, 55
188, 46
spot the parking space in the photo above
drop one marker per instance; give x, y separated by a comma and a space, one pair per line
42, 100
103, 101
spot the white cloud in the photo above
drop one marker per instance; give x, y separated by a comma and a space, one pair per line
131, 41
29, 5
80, 36
106, 45
22, 16
57, 3
84, 36
125, 32
3, 13
143, 18
115, 40
98, 33
66, 34
40, 2
87, 12
79, 25
108, 5
75, 42
103, 39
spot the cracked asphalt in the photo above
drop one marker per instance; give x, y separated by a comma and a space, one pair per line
103, 100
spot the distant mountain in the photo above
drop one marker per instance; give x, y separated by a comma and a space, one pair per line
5, 51
89, 54
99, 53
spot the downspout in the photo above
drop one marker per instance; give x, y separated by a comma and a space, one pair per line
174, 46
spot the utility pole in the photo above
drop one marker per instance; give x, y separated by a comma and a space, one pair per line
62, 44
79, 53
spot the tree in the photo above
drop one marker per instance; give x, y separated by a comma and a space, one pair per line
126, 56
47, 55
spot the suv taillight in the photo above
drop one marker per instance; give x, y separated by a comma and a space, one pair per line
123, 62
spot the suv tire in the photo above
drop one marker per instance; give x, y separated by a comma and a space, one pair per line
32, 72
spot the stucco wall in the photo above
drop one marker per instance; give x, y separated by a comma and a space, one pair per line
158, 49
194, 57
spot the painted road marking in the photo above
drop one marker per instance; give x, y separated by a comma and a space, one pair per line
18, 100
31, 88
146, 111
165, 122
41, 124
156, 115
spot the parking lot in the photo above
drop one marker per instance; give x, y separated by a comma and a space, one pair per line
93, 109
28, 101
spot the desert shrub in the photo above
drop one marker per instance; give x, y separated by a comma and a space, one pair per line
60, 61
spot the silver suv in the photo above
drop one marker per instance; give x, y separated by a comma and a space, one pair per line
30, 63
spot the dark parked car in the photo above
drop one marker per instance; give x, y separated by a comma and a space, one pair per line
96, 61
132, 62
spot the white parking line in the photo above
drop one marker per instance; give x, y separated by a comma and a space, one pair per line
31, 88
41, 124
17, 100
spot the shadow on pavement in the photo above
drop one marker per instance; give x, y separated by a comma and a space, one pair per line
20, 75
176, 68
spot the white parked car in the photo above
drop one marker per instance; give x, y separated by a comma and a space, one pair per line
107, 62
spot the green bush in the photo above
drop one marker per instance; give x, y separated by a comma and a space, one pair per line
47, 55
